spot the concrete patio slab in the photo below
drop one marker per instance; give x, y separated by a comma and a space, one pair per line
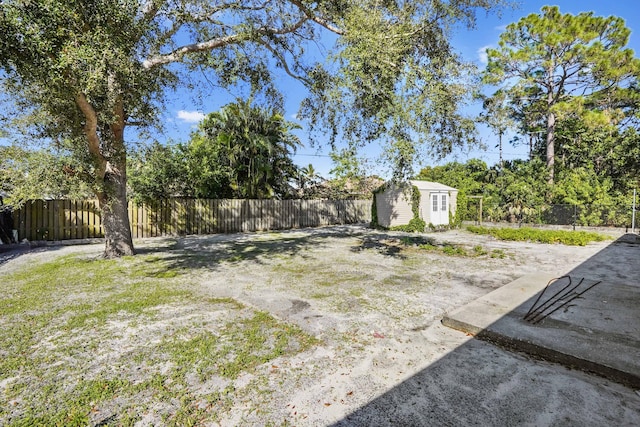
589, 320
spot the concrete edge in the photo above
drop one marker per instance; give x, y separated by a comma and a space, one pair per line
544, 353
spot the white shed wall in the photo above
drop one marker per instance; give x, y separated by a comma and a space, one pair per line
425, 206
393, 208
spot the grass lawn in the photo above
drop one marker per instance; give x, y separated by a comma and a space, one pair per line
287, 328
84, 340
88, 341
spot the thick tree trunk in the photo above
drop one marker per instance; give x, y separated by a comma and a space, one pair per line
110, 160
113, 200
115, 217
551, 154
551, 127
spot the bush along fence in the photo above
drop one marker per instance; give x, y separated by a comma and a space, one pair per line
568, 215
67, 219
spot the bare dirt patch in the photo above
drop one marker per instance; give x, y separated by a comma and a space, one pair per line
372, 302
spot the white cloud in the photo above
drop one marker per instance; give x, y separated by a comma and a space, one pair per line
482, 54
500, 28
190, 116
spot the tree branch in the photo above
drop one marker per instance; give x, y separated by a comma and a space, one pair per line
180, 52
177, 54
91, 132
283, 62
318, 20
117, 127
149, 9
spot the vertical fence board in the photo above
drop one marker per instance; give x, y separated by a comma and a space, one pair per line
29, 219
67, 219
210, 217
62, 222
39, 207
144, 220
88, 206
76, 222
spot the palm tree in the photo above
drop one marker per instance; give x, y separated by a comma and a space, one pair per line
255, 144
308, 178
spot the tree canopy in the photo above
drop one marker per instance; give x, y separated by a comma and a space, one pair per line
83, 71
567, 66
27, 174
252, 146
240, 151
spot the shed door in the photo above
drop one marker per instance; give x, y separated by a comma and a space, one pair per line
439, 209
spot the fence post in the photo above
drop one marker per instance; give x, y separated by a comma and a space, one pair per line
575, 216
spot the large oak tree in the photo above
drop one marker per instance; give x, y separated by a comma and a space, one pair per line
84, 70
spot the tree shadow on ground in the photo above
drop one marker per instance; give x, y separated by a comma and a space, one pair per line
11, 252
479, 383
210, 252
391, 244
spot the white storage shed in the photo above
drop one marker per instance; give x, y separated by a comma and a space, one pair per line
437, 201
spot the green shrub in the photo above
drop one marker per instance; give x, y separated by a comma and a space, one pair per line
416, 225
429, 247
572, 238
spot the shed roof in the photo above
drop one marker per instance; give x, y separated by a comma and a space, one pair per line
428, 185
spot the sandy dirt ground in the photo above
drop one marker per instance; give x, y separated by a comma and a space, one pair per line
375, 301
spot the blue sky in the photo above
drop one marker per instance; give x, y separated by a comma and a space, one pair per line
182, 112
182, 116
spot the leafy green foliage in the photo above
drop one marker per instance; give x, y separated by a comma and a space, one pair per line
518, 192
468, 178
399, 80
572, 238
570, 68
243, 151
349, 175
36, 174
307, 182
374, 212
157, 172
453, 250
415, 225
450, 249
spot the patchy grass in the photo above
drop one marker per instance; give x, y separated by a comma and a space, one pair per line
479, 250
238, 347
446, 248
498, 253
572, 238
91, 341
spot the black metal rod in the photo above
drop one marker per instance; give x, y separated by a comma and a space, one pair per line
568, 301
553, 300
531, 310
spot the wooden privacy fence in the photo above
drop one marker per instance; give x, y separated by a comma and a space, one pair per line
67, 219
